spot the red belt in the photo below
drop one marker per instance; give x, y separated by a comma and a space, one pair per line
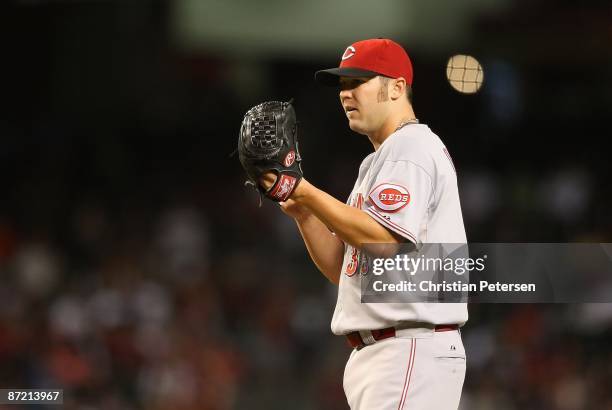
356, 341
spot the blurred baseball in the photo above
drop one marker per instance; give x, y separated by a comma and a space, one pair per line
464, 73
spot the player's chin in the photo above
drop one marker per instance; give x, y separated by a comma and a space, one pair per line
356, 126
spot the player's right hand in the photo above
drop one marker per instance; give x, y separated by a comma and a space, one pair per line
295, 210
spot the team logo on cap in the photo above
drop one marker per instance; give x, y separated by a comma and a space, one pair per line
348, 53
389, 197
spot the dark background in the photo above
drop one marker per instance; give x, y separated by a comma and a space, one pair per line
138, 272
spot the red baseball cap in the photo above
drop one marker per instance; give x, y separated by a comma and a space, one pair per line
369, 58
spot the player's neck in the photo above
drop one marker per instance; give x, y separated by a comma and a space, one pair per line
393, 123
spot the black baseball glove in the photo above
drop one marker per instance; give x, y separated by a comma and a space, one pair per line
268, 143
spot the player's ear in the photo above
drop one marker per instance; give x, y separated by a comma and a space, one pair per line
398, 88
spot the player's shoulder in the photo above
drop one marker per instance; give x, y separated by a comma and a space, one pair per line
367, 161
415, 143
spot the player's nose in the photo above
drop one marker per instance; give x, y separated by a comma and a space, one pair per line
344, 94
345, 91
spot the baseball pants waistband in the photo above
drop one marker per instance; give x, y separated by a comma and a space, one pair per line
360, 339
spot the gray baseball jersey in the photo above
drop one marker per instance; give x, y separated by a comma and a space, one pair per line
409, 185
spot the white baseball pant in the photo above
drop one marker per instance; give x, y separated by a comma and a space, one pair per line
419, 369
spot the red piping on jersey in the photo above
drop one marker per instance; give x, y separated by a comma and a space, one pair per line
391, 225
408, 375
449, 158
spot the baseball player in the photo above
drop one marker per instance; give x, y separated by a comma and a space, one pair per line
406, 355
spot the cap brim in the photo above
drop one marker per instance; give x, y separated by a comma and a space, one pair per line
332, 76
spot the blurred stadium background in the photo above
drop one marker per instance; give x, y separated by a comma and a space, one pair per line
138, 273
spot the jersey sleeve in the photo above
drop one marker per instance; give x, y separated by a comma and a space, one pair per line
399, 198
